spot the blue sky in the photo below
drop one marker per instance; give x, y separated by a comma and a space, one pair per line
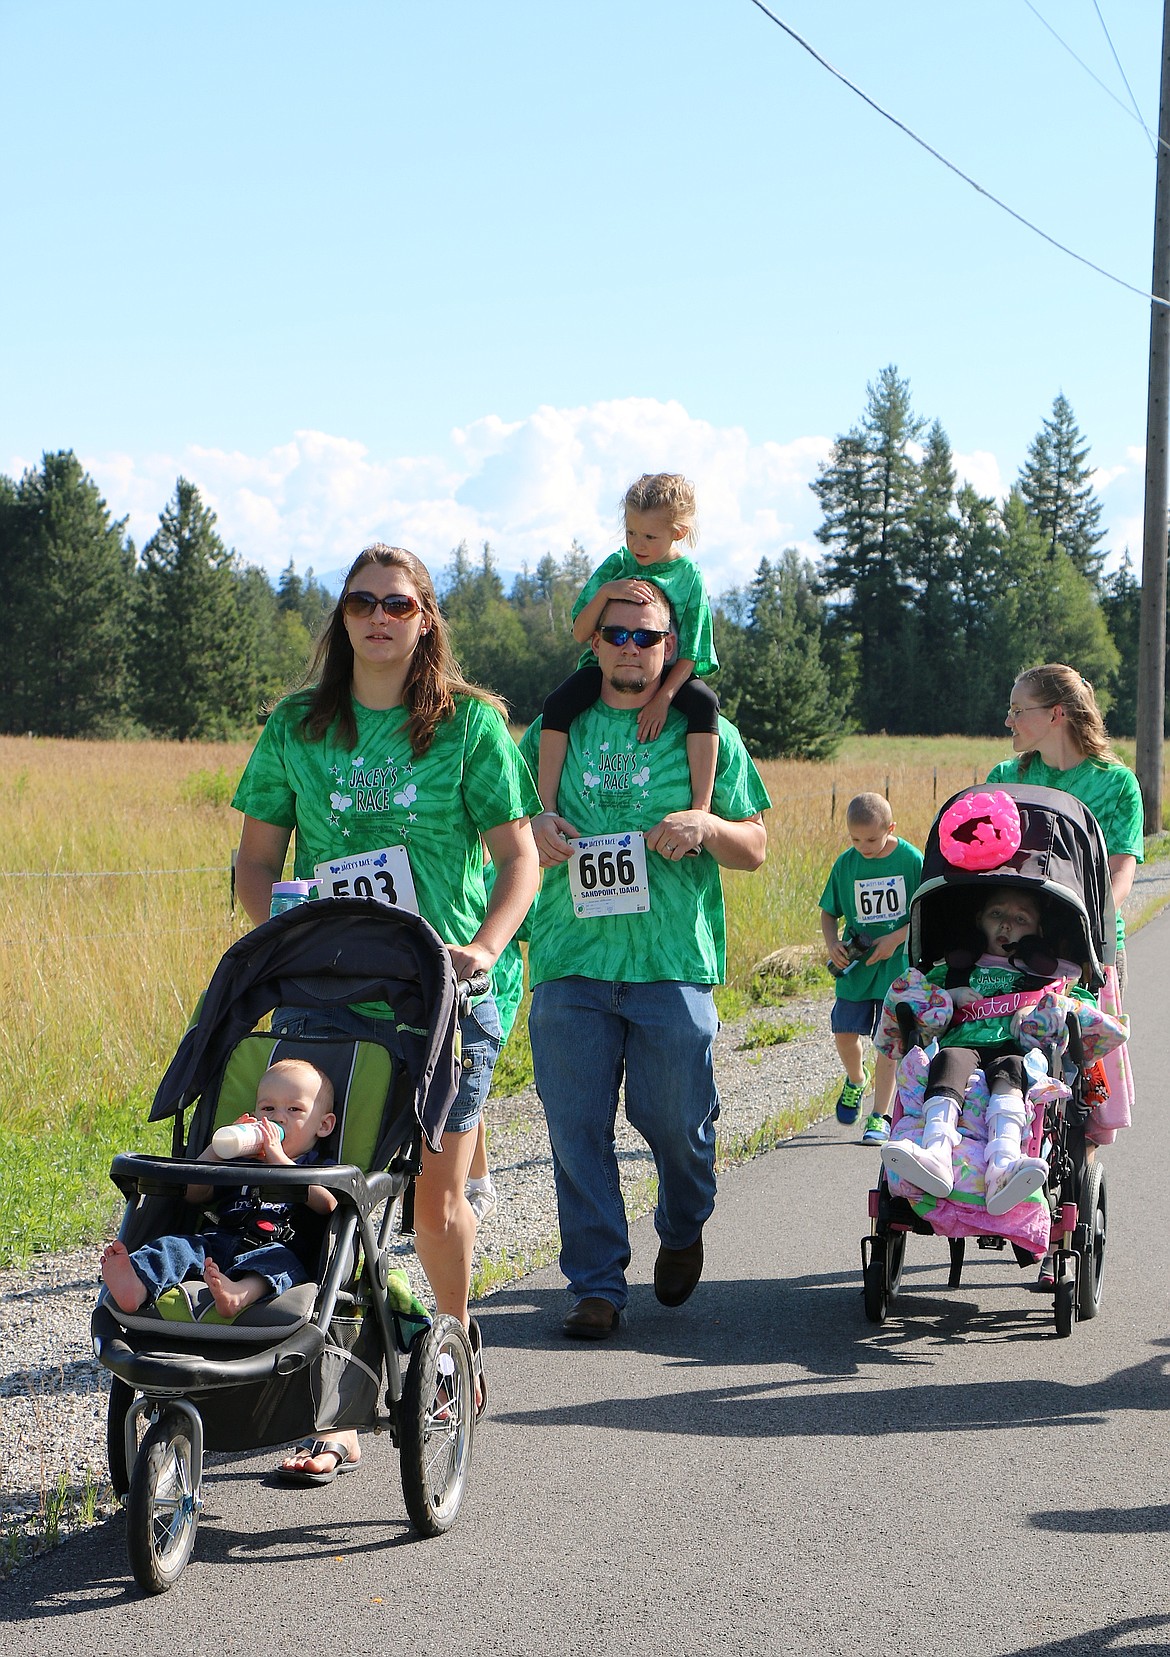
423, 273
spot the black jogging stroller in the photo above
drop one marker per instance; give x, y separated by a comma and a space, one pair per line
1062, 862
329, 1354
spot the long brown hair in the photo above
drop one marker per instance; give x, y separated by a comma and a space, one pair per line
433, 680
1057, 685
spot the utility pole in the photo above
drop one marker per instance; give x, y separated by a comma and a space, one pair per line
1152, 641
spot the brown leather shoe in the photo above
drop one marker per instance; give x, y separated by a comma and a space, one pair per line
591, 1319
677, 1271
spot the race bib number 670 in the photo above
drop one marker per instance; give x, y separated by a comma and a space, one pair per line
607, 875
880, 898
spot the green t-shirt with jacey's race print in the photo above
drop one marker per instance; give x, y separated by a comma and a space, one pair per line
613, 784
377, 794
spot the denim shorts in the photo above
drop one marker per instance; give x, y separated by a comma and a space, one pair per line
855, 1018
479, 1029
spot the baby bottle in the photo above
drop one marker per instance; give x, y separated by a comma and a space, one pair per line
287, 893
240, 1139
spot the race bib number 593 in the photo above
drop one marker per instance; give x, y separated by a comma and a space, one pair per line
383, 875
607, 875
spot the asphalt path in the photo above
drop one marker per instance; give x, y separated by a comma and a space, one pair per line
760, 1471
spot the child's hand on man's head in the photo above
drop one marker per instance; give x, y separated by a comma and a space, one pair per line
630, 590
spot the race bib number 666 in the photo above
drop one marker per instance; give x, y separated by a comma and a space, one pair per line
607, 875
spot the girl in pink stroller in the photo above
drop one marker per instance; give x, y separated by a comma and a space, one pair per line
997, 1037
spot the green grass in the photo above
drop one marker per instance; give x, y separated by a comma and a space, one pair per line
762, 1032
66, 1198
213, 788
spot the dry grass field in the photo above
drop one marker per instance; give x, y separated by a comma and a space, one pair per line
115, 907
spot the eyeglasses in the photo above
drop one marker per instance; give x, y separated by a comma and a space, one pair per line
1033, 707
643, 637
398, 606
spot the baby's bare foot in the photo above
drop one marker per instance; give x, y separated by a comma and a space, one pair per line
229, 1295
120, 1278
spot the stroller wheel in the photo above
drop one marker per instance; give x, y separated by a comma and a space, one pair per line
1064, 1305
121, 1398
1092, 1208
437, 1425
162, 1511
875, 1283
895, 1260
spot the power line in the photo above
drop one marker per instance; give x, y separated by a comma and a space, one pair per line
1134, 113
1080, 258
1124, 76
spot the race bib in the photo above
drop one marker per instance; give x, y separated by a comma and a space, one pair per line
384, 876
881, 898
607, 875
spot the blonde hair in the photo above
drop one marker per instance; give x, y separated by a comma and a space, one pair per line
432, 682
289, 1067
1057, 685
869, 808
665, 492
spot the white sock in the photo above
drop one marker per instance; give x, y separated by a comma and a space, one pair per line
484, 1184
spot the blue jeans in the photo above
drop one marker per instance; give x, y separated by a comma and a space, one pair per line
585, 1034
173, 1259
479, 1029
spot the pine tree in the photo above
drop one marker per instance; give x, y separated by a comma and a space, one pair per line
869, 492
1121, 604
1047, 610
979, 582
543, 602
283, 642
1059, 496
196, 647
778, 685
67, 571
931, 565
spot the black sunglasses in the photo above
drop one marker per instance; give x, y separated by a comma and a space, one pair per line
643, 637
398, 606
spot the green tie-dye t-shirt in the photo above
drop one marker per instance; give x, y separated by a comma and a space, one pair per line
342, 800
612, 783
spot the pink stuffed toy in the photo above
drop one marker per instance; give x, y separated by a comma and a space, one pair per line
980, 831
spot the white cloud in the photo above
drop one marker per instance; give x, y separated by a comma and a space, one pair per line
529, 487
981, 471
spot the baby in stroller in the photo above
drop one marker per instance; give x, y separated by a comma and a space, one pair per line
255, 1248
986, 988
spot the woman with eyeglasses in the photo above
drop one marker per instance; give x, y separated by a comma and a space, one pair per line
390, 750
1060, 741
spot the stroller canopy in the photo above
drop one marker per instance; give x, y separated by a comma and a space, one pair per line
1060, 859
320, 955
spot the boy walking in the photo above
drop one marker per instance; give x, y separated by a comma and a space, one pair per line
869, 888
